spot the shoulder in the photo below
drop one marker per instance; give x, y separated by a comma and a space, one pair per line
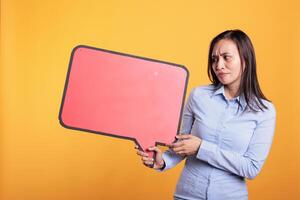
203, 90
201, 94
270, 110
268, 113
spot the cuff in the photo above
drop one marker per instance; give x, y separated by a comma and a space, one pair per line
171, 159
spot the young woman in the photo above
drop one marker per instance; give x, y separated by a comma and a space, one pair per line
227, 127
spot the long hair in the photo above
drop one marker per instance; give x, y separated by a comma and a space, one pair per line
249, 86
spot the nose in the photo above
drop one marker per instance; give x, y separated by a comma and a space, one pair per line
219, 64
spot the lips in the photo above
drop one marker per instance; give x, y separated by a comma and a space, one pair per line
221, 74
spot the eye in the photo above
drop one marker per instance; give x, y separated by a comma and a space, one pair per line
214, 59
227, 57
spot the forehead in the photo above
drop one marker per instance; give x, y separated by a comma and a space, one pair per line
225, 46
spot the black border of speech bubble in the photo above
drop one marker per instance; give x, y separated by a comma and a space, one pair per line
123, 54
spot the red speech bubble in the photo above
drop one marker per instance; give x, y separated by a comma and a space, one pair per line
124, 96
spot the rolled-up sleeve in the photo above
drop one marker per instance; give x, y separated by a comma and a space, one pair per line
250, 163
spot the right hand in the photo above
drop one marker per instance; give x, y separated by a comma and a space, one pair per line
158, 163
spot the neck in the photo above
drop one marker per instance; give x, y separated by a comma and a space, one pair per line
231, 91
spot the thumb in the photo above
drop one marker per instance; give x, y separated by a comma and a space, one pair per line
158, 156
155, 148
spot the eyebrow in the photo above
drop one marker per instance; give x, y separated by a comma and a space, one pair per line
222, 54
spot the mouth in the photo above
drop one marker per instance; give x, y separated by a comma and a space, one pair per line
221, 74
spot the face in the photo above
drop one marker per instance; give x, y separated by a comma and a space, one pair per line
226, 63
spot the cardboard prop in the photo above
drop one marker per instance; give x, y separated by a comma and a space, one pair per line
125, 96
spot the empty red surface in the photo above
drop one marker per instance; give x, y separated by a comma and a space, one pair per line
124, 96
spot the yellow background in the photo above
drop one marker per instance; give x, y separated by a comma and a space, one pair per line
42, 160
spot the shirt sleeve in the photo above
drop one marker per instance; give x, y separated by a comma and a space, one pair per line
170, 157
249, 164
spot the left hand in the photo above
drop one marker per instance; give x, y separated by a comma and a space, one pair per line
186, 145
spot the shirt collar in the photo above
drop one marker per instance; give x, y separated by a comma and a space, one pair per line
240, 99
219, 90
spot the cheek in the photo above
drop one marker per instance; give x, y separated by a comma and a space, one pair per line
236, 68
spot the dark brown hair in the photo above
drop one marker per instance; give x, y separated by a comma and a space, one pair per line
249, 86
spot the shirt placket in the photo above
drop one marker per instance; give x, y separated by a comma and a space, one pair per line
220, 127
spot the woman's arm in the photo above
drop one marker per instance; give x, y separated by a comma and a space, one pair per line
249, 164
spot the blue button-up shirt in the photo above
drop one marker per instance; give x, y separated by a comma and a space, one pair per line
235, 145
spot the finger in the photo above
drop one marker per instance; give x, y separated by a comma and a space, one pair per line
154, 148
178, 149
185, 136
147, 159
141, 153
150, 163
176, 144
169, 145
150, 166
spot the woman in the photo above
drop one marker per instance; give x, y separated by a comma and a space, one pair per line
227, 127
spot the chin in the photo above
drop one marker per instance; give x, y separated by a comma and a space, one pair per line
224, 82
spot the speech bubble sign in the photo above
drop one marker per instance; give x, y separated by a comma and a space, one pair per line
125, 96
